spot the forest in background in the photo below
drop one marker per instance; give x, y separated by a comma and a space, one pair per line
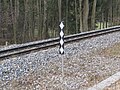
30, 20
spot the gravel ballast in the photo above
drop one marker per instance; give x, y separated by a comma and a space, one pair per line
83, 67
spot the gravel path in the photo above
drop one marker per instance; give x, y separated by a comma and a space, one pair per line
83, 67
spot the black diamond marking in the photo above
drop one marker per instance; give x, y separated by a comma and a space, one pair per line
61, 49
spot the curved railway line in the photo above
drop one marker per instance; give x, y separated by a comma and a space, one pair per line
26, 48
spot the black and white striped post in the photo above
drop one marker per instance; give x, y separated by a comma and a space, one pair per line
61, 48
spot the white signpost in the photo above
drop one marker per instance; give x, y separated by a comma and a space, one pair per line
61, 49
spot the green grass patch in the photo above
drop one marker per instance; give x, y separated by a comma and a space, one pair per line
101, 25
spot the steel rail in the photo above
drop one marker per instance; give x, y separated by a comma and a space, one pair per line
28, 47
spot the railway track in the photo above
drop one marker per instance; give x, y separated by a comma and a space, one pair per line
27, 48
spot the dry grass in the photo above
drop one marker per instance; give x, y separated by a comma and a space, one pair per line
115, 86
113, 51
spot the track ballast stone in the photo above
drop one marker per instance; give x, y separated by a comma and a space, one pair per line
80, 66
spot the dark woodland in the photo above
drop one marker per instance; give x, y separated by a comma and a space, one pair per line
24, 21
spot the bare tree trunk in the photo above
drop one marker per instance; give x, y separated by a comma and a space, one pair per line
31, 19
119, 13
76, 18
103, 21
0, 16
66, 25
114, 12
118, 4
5, 20
80, 12
85, 15
116, 16
45, 30
106, 19
59, 7
110, 13
1, 31
93, 14
13, 21
16, 17
25, 20
100, 19
39, 18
